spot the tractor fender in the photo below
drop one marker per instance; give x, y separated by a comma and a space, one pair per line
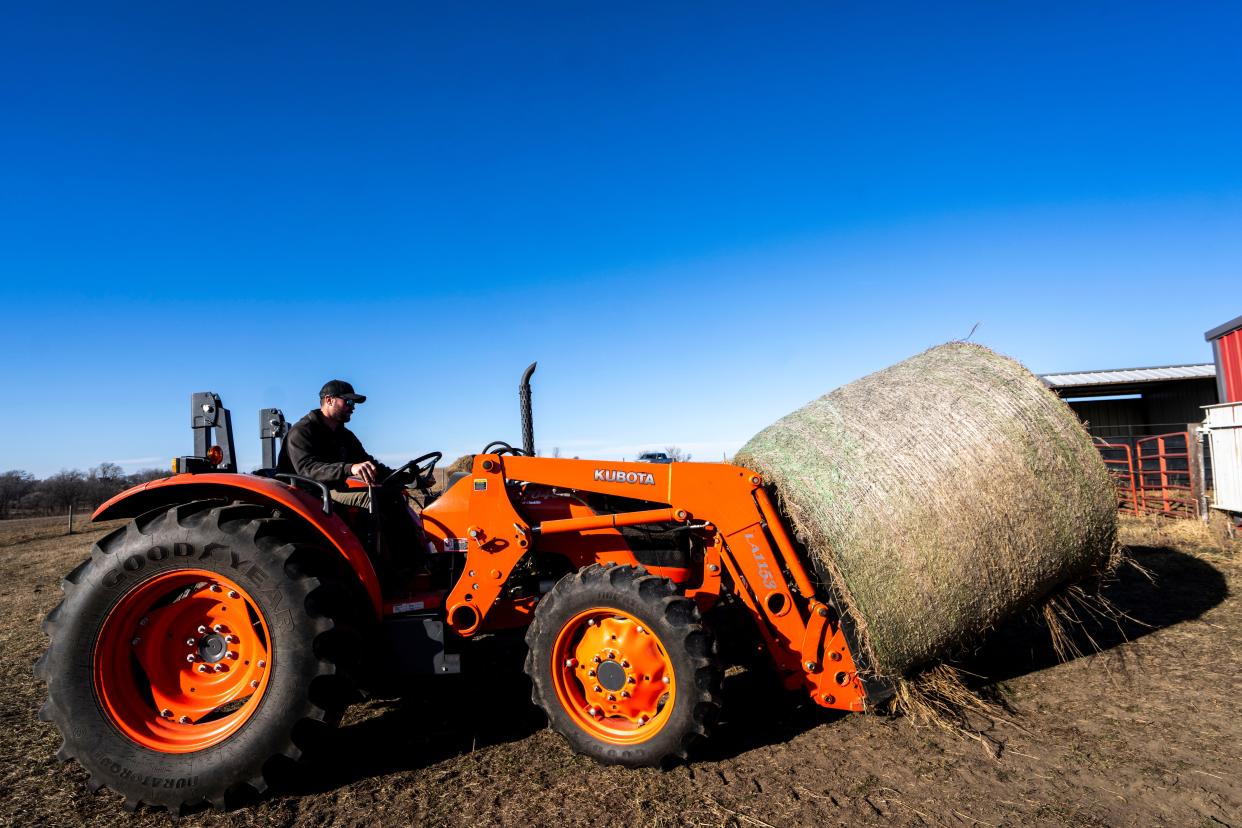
183, 488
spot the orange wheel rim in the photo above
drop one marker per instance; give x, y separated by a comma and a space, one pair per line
182, 661
613, 676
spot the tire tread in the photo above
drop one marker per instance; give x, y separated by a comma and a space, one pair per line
683, 630
325, 693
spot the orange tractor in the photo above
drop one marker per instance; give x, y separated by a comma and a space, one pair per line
236, 615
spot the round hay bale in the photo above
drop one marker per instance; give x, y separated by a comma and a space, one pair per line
462, 464
938, 497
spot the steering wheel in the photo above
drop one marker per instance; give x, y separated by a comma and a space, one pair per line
420, 467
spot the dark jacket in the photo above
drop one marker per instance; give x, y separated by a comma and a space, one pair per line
314, 450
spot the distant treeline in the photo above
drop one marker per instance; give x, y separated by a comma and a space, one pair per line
24, 495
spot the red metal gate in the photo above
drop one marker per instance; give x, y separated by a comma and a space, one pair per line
1162, 475
1119, 460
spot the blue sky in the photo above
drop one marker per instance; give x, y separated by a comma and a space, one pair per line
695, 217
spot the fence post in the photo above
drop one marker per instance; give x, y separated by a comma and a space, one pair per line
1192, 464
1199, 434
70, 532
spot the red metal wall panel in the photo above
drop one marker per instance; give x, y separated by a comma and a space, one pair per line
1230, 346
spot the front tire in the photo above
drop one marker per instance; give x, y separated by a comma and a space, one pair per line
623, 666
192, 649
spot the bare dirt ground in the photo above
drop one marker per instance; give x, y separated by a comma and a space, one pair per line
1146, 732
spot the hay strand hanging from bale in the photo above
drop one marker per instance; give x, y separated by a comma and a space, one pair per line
938, 497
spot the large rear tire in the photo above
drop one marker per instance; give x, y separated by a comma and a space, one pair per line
623, 666
194, 648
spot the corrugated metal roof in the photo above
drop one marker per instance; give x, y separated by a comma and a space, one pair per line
1123, 376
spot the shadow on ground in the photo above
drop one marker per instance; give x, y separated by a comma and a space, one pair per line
1170, 587
432, 719
444, 717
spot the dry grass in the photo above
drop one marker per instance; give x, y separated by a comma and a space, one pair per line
1145, 733
1211, 538
942, 697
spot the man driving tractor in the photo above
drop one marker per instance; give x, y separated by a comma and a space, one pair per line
320, 447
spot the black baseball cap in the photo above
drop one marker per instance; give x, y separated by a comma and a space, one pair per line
342, 389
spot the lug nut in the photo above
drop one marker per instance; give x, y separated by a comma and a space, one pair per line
203, 668
191, 658
644, 719
596, 659
810, 666
571, 662
591, 673
135, 641
592, 711
590, 622
262, 664
254, 683
625, 664
631, 680
641, 630
220, 668
190, 642
217, 628
233, 593
667, 680
612, 656
215, 587
166, 713
230, 654
202, 630
625, 694
611, 697
598, 689
184, 720
144, 621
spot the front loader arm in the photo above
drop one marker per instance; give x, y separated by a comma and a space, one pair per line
744, 536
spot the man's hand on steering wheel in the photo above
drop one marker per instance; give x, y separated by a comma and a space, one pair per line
420, 469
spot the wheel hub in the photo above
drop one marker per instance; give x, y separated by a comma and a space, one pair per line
211, 648
611, 676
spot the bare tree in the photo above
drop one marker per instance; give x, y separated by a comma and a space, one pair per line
65, 488
676, 454
14, 485
108, 471
104, 481
36, 502
145, 476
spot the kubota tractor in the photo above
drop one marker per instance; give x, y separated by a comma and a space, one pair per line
236, 615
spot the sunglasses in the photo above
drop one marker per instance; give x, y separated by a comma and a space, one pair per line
349, 403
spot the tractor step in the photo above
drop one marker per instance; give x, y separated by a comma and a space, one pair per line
414, 646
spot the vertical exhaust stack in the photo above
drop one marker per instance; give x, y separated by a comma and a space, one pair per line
528, 428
